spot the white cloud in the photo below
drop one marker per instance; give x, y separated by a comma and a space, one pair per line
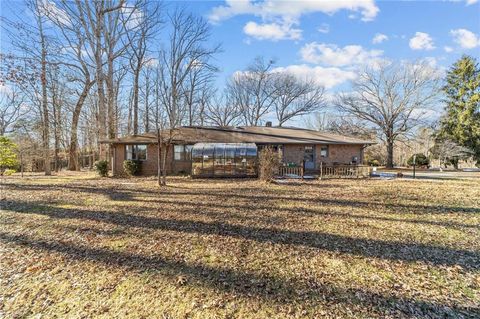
272, 31
330, 54
133, 15
421, 41
279, 17
325, 76
151, 62
50, 9
430, 61
429, 67
467, 2
426, 114
379, 38
465, 38
291, 9
448, 49
324, 28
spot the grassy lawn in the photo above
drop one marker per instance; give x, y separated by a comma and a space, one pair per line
80, 247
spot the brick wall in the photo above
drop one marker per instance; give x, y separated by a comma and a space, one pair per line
293, 153
341, 154
149, 166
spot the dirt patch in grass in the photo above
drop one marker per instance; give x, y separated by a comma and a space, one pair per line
78, 246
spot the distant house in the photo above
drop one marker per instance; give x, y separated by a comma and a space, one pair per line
232, 151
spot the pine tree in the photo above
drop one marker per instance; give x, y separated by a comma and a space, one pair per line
461, 123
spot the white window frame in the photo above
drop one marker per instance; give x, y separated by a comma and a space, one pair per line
325, 148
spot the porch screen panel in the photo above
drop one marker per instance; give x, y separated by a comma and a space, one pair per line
197, 160
208, 159
224, 159
219, 160
251, 160
229, 159
241, 160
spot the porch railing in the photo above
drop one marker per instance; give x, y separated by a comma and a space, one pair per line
285, 170
344, 171
328, 171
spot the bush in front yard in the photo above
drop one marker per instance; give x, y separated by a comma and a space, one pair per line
268, 162
421, 160
373, 162
131, 167
101, 167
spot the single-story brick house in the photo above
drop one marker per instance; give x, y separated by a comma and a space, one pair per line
228, 150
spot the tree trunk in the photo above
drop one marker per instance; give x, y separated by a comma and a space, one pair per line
72, 152
110, 82
46, 122
56, 132
455, 163
390, 153
136, 76
147, 98
164, 164
161, 160
99, 76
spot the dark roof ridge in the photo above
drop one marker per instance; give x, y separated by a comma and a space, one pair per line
311, 140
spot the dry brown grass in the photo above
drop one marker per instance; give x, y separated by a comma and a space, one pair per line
76, 246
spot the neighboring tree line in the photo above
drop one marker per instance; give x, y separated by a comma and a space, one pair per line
396, 103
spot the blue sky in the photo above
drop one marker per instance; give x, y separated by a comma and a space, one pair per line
341, 38
328, 40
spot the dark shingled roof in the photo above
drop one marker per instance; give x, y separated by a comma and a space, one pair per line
243, 134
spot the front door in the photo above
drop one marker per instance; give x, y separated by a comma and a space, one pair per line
309, 157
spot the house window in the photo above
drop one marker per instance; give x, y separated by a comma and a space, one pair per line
182, 152
136, 152
324, 151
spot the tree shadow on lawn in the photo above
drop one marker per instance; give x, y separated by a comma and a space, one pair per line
112, 193
388, 250
339, 202
299, 210
266, 287
127, 194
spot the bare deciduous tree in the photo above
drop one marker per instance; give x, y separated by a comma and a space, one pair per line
34, 48
142, 24
76, 56
394, 98
197, 90
294, 97
252, 91
221, 111
448, 151
12, 107
186, 53
101, 27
